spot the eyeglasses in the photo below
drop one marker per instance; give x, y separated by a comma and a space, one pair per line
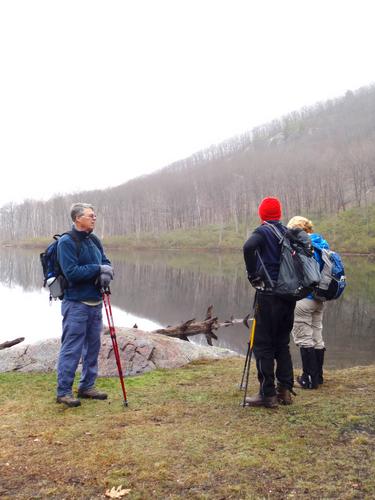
91, 216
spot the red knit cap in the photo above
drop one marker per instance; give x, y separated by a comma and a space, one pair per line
270, 209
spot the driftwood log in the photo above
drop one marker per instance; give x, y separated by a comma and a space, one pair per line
9, 343
193, 327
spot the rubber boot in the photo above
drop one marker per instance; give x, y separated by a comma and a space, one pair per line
310, 374
320, 361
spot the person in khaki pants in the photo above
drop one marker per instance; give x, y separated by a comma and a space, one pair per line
308, 318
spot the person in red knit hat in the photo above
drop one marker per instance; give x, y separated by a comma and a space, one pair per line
269, 209
273, 314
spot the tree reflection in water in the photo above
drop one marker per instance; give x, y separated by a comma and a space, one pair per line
172, 287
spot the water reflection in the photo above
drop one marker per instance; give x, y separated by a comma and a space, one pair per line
168, 288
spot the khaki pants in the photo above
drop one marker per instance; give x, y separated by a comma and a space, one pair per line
308, 323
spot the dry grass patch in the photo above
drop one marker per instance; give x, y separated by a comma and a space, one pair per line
186, 435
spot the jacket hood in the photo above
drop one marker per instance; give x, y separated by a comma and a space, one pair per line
318, 241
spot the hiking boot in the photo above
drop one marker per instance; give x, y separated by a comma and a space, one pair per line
284, 395
259, 400
68, 400
91, 393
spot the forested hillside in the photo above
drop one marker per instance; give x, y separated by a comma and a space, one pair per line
318, 161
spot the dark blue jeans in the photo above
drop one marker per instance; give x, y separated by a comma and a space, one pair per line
82, 326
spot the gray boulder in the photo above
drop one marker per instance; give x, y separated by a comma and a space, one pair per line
140, 352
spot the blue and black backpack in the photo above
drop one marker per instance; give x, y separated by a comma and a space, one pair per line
333, 280
48, 258
52, 272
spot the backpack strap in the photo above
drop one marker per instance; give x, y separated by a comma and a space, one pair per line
78, 242
96, 241
92, 237
270, 281
275, 231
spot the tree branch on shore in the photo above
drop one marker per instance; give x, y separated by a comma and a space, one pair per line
10, 343
193, 327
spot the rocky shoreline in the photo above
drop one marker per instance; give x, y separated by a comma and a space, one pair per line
140, 352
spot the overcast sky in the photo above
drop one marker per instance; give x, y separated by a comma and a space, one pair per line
93, 93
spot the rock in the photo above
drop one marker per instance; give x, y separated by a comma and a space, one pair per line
140, 352
39, 357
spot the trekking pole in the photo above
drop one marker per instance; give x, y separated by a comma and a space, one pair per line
112, 332
250, 350
246, 370
245, 322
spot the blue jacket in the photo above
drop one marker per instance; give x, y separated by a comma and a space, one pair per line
318, 243
81, 270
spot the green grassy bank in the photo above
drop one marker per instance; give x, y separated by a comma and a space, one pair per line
352, 231
184, 435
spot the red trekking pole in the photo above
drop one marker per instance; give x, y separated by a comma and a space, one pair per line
112, 332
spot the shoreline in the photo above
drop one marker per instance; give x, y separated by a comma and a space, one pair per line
144, 248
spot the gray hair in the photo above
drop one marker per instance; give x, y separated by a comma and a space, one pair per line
78, 209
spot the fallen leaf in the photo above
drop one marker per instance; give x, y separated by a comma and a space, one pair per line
117, 492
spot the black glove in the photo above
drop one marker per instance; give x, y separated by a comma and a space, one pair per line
105, 276
256, 281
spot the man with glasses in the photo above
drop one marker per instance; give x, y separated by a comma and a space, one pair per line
87, 271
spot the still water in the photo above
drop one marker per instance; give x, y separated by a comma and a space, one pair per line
156, 289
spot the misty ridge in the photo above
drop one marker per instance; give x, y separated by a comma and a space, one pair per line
319, 161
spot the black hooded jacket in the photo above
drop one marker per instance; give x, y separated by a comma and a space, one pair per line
263, 240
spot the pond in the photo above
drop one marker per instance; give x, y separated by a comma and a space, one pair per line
154, 289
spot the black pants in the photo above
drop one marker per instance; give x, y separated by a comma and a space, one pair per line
274, 322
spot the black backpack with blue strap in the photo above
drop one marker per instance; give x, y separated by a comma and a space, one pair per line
299, 272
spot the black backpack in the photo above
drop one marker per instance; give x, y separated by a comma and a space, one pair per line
52, 272
299, 272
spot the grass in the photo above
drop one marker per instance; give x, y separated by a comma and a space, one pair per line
209, 237
351, 231
185, 435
